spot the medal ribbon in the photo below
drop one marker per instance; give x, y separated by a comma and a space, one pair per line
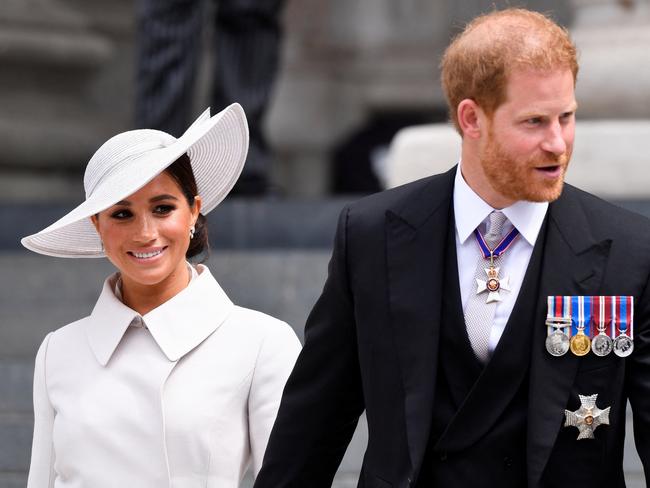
502, 247
556, 310
581, 312
631, 315
608, 320
599, 314
566, 307
625, 311
588, 313
555, 307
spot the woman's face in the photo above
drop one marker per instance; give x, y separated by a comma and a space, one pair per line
147, 234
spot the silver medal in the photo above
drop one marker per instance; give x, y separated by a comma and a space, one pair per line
587, 418
557, 343
602, 344
623, 345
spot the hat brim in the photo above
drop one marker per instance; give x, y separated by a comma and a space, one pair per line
217, 148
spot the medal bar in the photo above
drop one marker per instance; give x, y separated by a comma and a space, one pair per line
581, 324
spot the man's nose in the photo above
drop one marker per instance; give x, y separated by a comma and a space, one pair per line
554, 141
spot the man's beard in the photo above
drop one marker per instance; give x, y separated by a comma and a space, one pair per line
516, 179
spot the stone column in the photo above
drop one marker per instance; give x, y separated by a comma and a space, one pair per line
613, 38
49, 58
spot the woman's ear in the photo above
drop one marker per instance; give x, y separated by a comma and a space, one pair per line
196, 208
95, 220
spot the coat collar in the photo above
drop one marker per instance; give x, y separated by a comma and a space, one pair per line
178, 325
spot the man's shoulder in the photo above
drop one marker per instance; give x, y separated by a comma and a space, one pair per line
420, 192
606, 216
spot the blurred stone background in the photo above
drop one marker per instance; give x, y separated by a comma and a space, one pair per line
354, 72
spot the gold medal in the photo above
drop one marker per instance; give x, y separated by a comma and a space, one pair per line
580, 344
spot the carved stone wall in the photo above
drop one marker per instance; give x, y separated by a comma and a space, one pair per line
613, 38
67, 78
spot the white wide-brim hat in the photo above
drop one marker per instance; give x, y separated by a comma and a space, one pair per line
216, 146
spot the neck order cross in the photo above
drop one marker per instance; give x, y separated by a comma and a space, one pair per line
491, 248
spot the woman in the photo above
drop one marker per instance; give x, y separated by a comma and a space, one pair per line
167, 382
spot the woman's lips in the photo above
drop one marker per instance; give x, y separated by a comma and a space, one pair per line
147, 255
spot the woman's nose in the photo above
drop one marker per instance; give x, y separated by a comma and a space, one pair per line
145, 230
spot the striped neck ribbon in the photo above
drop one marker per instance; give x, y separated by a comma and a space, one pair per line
502, 247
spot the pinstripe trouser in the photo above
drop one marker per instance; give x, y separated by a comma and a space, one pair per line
247, 44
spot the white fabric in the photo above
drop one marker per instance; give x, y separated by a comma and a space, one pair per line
470, 212
185, 403
217, 148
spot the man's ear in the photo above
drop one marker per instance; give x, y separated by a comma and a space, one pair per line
470, 118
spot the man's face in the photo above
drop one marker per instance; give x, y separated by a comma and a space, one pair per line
529, 140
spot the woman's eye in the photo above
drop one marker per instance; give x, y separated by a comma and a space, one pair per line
121, 214
163, 209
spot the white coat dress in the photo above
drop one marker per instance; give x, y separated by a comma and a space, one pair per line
186, 401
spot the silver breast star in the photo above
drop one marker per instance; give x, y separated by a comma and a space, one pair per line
493, 285
587, 417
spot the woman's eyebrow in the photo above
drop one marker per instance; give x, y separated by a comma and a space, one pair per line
163, 197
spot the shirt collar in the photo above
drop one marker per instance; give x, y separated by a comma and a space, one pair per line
470, 211
178, 325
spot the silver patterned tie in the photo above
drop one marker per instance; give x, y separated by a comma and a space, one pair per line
478, 314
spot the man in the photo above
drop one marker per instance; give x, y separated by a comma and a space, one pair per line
443, 345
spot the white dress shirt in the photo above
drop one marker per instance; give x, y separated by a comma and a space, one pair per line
470, 212
187, 401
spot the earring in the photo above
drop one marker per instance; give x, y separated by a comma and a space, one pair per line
192, 230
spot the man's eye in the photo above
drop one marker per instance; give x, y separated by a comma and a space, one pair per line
534, 121
121, 214
163, 209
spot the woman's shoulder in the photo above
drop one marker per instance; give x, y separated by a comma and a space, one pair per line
273, 341
70, 335
259, 323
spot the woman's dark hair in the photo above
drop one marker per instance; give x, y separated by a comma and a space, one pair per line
181, 171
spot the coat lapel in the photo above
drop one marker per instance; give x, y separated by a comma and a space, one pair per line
416, 234
573, 264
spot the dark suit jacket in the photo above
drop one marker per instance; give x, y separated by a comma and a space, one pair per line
371, 342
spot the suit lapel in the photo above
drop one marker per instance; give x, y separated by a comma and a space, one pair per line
415, 238
573, 264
